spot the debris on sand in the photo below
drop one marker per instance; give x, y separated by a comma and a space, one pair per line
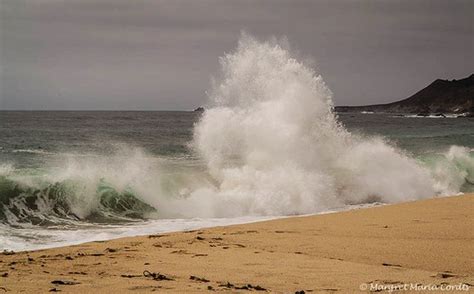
194, 278
157, 276
61, 282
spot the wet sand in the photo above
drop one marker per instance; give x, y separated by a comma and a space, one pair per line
429, 243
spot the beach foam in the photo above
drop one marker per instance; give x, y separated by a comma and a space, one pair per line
274, 146
268, 144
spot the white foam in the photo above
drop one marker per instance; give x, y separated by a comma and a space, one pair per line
453, 170
32, 151
433, 116
35, 238
40, 238
274, 147
271, 146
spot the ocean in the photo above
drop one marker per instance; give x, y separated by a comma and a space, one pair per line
50, 160
268, 145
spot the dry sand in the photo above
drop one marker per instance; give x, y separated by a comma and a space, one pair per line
426, 242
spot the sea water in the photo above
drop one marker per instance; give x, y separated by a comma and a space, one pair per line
268, 145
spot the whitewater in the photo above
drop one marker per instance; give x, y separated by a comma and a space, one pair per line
268, 145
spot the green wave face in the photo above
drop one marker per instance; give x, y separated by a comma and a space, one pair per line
59, 202
455, 168
125, 204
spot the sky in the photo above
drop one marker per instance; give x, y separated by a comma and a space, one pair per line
160, 55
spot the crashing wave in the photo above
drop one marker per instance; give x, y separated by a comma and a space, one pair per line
271, 145
53, 203
274, 146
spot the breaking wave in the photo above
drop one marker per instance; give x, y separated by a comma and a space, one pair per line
274, 146
268, 144
58, 203
453, 171
85, 190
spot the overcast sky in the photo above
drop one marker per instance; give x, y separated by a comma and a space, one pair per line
159, 55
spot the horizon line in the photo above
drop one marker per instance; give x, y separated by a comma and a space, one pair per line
130, 110
97, 110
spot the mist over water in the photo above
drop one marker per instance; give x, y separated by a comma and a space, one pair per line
268, 144
274, 145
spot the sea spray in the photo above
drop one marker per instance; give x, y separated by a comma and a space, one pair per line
453, 171
273, 144
126, 185
269, 144
98, 189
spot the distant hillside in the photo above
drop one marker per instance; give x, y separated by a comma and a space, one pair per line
441, 96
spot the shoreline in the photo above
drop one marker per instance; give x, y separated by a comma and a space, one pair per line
124, 230
121, 231
427, 242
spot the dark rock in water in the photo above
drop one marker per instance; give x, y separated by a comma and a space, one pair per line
199, 109
441, 96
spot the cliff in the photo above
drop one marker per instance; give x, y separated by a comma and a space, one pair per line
441, 96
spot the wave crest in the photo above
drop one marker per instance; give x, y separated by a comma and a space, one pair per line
271, 145
274, 145
453, 171
60, 202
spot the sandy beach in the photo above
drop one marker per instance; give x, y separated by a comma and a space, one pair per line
426, 243
236, 146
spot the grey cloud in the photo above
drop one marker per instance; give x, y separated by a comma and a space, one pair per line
144, 54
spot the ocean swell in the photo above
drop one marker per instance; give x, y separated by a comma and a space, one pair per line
268, 144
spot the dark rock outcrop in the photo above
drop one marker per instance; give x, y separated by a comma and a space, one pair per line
440, 97
199, 109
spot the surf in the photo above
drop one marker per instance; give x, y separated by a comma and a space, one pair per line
268, 144
274, 146
62, 203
